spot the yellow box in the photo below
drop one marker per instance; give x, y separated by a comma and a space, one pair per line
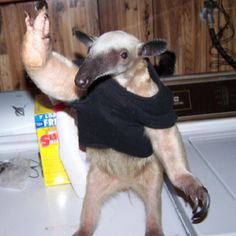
45, 121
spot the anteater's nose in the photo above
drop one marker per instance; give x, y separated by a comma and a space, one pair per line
82, 83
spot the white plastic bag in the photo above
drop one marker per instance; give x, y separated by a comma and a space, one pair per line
14, 173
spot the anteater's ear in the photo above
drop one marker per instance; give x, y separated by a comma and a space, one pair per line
152, 48
86, 39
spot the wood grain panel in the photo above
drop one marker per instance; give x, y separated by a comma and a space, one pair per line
64, 16
13, 1
133, 16
5, 74
230, 46
3, 46
178, 21
12, 39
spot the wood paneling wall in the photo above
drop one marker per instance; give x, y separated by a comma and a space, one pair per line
133, 16
177, 21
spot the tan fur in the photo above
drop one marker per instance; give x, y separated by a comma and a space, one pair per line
58, 82
36, 46
111, 171
138, 80
51, 72
167, 143
118, 164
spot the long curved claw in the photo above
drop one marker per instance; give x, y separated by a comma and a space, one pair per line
202, 205
195, 206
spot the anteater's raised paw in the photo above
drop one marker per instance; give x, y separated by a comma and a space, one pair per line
36, 44
197, 194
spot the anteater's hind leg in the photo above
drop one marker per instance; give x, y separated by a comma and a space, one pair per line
148, 185
99, 187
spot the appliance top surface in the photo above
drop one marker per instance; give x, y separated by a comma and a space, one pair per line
212, 159
50, 211
211, 149
17, 113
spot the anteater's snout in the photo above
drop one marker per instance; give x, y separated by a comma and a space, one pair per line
85, 75
82, 83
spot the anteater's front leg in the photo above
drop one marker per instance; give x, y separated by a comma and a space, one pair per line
168, 145
51, 72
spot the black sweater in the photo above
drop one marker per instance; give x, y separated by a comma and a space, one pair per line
111, 117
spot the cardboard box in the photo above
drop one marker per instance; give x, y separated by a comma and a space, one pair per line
45, 121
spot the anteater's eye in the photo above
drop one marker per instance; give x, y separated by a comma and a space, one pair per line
124, 54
